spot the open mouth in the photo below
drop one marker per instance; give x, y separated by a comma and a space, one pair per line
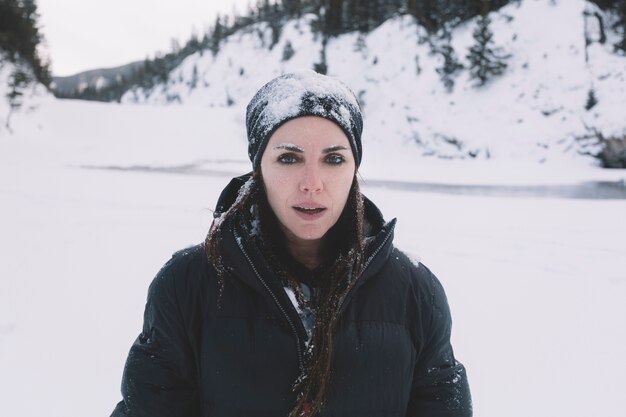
310, 210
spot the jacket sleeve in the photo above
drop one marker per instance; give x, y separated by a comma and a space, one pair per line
159, 377
440, 387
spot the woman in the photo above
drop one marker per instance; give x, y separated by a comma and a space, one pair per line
297, 303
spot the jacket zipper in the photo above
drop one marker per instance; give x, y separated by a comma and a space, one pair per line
367, 263
280, 307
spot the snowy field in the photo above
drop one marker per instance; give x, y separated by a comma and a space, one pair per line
95, 198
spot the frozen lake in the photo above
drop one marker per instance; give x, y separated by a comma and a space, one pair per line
591, 190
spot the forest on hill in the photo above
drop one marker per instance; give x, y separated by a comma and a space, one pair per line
332, 18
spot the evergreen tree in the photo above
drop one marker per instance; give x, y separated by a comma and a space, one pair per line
193, 44
621, 25
591, 100
333, 17
606, 4
288, 51
19, 42
317, 24
20, 37
194, 77
19, 80
264, 9
425, 12
486, 60
360, 13
292, 7
450, 66
322, 66
360, 45
276, 24
216, 37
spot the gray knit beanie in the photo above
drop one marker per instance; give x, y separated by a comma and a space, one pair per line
305, 93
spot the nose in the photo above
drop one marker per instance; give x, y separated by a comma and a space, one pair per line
311, 181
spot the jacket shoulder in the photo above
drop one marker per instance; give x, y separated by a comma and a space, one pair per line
186, 258
181, 276
413, 272
184, 264
426, 301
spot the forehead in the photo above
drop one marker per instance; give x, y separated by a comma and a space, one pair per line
309, 132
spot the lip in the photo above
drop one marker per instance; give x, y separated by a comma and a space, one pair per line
302, 210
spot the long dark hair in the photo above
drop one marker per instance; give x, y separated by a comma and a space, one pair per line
343, 251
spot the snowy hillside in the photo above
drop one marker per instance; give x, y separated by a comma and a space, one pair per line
535, 111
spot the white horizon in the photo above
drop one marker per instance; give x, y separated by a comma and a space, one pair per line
82, 35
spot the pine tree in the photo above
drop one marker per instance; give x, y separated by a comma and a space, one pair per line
360, 45
275, 23
621, 24
591, 100
19, 80
193, 83
322, 66
288, 51
216, 38
358, 14
425, 12
19, 41
20, 36
451, 66
486, 60
333, 17
293, 7
264, 9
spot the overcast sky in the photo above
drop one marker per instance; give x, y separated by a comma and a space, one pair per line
89, 34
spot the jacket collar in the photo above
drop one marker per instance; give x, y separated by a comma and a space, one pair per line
241, 254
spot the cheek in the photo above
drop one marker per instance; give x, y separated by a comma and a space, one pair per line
275, 179
277, 189
282, 180
342, 189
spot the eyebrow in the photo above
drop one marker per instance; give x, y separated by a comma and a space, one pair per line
334, 148
295, 148
290, 147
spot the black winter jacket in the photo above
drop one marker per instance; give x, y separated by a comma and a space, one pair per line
392, 354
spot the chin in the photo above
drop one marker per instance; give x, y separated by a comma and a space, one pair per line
310, 232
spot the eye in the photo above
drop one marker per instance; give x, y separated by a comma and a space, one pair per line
334, 159
288, 159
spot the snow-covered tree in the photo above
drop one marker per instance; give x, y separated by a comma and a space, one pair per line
486, 60
218, 34
288, 51
621, 24
451, 66
20, 37
19, 80
360, 45
193, 83
322, 66
591, 99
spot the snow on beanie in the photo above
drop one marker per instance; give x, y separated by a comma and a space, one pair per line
305, 93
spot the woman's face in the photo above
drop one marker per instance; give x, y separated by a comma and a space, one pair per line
307, 169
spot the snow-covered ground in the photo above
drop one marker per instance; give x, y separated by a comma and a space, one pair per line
94, 199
